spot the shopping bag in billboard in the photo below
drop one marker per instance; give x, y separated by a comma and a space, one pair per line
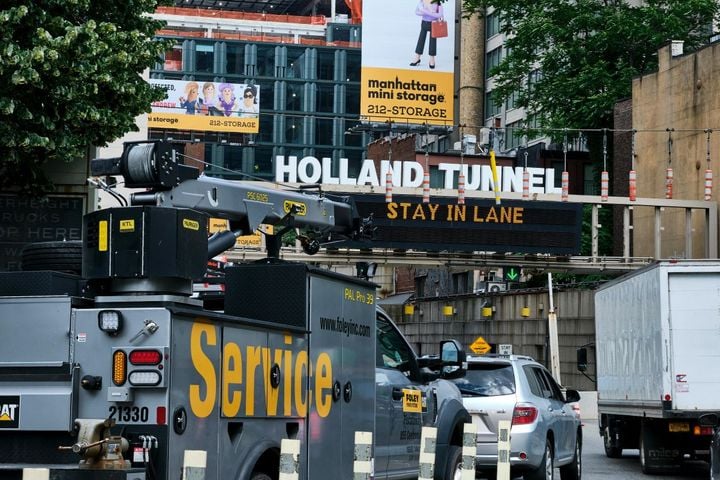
439, 29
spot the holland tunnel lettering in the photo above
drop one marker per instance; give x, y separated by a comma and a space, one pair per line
478, 225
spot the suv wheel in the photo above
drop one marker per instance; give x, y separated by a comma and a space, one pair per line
546, 468
573, 471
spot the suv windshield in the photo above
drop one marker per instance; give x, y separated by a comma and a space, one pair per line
487, 380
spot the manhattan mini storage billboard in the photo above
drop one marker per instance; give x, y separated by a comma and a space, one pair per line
478, 225
407, 72
207, 106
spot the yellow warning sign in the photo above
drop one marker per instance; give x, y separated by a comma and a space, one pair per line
480, 346
412, 400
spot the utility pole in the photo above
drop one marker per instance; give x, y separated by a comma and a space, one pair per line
553, 335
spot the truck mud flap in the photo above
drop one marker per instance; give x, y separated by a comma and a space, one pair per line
658, 453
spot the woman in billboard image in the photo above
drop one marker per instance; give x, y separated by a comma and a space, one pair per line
249, 107
227, 101
429, 12
190, 102
207, 102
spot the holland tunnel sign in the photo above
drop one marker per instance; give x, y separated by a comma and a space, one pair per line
478, 225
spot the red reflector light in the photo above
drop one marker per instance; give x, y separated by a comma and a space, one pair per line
161, 415
145, 357
667, 397
524, 414
698, 430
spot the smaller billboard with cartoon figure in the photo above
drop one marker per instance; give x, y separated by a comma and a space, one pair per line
207, 106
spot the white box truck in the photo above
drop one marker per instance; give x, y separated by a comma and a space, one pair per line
657, 345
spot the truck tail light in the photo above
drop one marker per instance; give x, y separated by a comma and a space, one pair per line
161, 415
524, 414
144, 378
145, 357
698, 430
119, 370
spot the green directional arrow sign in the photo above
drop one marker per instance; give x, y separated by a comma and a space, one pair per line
512, 274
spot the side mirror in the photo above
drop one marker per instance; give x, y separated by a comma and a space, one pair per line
708, 420
572, 396
582, 362
453, 358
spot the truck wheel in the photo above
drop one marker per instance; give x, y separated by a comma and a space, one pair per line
454, 464
573, 470
545, 470
611, 451
260, 476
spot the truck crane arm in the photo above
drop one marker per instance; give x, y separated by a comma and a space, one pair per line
156, 166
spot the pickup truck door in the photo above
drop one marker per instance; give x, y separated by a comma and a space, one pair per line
399, 420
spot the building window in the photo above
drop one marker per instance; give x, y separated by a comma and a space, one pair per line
513, 136
204, 57
461, 282
235, 59
295, 95
492, 24
352, 99
325, 97
294, 129
296, 62
353, 66
265, 60
492, 60
173, 59
324, 132
534, 77
512, 100
491, 107
326, 65
420, 286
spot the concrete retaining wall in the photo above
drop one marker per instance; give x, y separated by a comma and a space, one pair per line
575, 310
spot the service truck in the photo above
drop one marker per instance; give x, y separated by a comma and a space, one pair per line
657, 335
123, 372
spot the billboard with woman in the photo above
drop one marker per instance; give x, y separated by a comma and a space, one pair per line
408, 61
207, 106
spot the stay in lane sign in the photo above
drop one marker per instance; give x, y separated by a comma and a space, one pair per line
480, 346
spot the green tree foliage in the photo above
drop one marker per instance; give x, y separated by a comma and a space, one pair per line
587, 51
70, 71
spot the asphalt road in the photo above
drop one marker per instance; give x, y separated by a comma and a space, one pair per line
596, 466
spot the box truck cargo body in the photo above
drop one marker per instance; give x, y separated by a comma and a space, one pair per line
657, 338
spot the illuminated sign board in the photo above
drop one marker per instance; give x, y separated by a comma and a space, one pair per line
478, 225
206, 106
407, 71
410, 174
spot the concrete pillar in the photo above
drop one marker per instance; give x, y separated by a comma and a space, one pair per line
471, 89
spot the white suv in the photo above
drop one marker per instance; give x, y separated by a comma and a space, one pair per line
545, 432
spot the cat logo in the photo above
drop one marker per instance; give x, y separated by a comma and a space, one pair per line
10, 412
300, 208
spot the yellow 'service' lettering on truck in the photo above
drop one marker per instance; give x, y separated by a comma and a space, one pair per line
301, 394
191, 224
232, 375
246, 373
202, 407
323, 385
103, 236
